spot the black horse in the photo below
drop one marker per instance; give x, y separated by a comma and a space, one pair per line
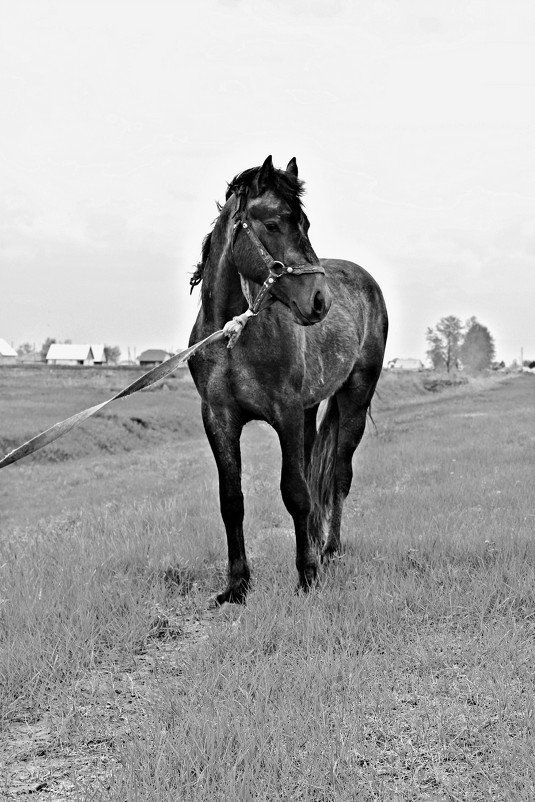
320, 336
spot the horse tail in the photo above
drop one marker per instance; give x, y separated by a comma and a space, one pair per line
321, 469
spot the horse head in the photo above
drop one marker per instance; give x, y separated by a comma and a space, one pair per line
269, 210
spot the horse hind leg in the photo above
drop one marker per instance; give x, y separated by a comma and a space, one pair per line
351, 429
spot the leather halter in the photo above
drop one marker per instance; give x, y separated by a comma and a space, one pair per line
276, 268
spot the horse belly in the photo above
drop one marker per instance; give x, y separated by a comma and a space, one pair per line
324, 377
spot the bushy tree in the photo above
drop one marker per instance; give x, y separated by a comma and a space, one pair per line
445, 342
24, 348
477, 349
112, 353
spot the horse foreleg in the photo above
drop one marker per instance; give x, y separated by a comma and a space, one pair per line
296, 497
223, 428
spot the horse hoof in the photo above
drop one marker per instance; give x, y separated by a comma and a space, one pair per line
328, 553
234, 594
308, 578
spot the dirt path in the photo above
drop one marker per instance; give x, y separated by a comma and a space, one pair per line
41, 761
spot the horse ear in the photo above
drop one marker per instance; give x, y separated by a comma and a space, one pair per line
292, 167
266, 173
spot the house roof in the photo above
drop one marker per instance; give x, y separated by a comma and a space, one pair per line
98, 352
6, 349
69, 351
154, 355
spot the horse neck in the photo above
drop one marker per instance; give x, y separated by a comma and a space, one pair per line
222, 295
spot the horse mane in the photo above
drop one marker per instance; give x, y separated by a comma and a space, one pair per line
285, 185
197, 276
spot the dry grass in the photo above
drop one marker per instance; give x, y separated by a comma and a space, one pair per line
406, 675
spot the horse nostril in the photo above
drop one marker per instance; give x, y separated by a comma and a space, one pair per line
319, 302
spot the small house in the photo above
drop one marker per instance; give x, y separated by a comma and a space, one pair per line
8, 355
405, 364
152, 357
74, 354
99, 357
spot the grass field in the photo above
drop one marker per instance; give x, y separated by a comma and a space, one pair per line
406, 675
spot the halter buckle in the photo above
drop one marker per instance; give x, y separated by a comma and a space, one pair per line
281, 268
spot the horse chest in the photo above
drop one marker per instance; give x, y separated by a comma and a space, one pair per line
261, 388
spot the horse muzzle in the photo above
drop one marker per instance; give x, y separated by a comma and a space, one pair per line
309, 308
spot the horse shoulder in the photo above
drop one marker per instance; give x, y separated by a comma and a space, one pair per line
355, 329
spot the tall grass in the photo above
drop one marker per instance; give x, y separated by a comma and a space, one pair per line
404, 673
407, 674
88, 586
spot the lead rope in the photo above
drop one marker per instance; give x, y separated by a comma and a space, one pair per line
147, 380
231, 330
234, 328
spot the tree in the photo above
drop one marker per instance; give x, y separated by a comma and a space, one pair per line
112, 353
24, 348
444, 341
46, 345
435, 350
477, 350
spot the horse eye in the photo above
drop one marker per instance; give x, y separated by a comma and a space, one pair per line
271, 227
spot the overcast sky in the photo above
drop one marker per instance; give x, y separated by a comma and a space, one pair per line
122, 120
